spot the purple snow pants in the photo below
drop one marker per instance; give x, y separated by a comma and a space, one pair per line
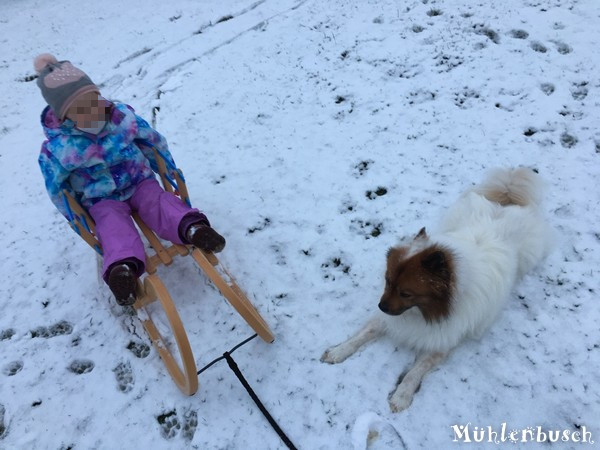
162, 211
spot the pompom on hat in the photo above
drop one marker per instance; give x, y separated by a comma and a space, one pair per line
61, 82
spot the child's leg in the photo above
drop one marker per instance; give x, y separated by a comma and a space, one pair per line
163, 212
117, 233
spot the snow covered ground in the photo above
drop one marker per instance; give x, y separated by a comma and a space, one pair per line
313, 134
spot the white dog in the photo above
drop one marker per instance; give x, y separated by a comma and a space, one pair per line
443, 288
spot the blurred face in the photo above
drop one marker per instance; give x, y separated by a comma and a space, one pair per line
88, 111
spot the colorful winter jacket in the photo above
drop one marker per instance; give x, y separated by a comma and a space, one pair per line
106, 166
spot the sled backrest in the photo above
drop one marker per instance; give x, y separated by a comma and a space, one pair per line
175, 186
83, 224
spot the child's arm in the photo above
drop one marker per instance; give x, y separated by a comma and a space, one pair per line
147, 138
56, 179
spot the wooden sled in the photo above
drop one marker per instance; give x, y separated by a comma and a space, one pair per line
152, 288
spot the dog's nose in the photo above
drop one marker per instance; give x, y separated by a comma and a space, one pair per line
384, 307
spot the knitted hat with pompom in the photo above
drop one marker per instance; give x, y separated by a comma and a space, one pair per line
61, 82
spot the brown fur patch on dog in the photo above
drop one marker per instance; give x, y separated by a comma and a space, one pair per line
424, 280
517, 187
504, 198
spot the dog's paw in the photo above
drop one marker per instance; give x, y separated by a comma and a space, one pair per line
400, 401
333, 355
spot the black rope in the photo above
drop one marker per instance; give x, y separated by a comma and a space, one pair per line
220, 358
262, 408
234, 367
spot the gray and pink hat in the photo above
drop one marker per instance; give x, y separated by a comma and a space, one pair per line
61, 82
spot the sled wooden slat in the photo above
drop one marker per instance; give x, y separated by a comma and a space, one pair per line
80, 217
79, 211
157, 246
235, 296
211, 258
182, 188
153, 262
186, 379
182, 250
236, 289
86, 235
162, 167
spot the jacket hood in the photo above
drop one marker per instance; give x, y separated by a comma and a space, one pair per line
53, 126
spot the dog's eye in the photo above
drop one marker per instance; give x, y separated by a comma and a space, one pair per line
405, 294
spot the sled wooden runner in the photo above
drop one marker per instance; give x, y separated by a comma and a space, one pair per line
152, 289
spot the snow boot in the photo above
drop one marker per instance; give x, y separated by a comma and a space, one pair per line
205, 238
122, 281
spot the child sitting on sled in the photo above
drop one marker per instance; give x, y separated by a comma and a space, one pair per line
101, 153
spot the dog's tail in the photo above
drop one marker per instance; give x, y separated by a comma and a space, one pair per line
521, 186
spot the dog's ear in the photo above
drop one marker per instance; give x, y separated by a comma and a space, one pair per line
422, 234
436, 263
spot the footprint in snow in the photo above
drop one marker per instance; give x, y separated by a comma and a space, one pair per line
379, 192
81, 366
464, 98
547, 88
124, 376
348, 206
169, 424
333, 266
6, 334
139, 349
12, 368
538, 47
487, 32
519, 34
564, 211
366, 228
562, 48
446, 63
58, 329
362, 167
579, 91
419, 96
568, 141
190, 423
